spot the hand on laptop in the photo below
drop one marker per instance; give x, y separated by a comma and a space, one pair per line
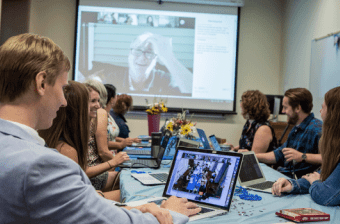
280, 186
119, 158
181, 205
163, 216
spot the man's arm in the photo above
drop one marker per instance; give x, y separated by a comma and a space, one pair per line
268, 158
292, 154
56, 190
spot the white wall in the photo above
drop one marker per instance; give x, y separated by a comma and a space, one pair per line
259, 62
305, 21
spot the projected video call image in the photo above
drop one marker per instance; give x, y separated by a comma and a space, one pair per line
204, 176
138, 56
187, 57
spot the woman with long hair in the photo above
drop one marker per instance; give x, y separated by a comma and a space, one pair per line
69, 134
324, 187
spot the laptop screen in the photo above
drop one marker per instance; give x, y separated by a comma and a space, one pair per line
203, 138
250, 169
204, 176
214, 143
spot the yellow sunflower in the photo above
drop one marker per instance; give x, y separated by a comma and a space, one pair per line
185, 129
170, 127
149, 111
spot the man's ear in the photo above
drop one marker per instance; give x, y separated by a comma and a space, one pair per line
40, 83
298, 109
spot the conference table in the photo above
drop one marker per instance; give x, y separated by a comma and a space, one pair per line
241, 211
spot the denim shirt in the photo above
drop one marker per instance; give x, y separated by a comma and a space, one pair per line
324, 193
303, 138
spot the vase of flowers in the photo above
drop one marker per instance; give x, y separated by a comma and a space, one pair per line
181, 126
154, 114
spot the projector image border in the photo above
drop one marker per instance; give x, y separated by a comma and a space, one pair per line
235, 3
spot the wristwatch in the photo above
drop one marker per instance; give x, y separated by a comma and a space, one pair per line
304, 157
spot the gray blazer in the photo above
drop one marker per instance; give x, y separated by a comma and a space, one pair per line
40, 185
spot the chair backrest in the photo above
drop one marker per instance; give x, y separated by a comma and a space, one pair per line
281, 130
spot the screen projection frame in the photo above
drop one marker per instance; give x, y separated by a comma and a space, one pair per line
171, 107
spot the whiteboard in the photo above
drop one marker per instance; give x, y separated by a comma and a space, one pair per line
324, 69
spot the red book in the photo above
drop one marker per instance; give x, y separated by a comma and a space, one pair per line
303, 215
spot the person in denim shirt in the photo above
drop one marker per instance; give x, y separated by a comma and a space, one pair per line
323, 186
299, 155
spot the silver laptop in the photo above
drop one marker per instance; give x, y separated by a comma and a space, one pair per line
251, 175
205, 177
151, 178
161, 178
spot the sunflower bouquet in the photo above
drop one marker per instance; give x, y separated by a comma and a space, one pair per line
180, 126
156, 107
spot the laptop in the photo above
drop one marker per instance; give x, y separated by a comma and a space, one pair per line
154, 162
205, 177
214, 143
203, 138
251, 175
174, 144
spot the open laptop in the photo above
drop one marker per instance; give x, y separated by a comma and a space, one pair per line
154, 162
203, 138
181, 142
214, 143
251, 175
205, 177
160, 178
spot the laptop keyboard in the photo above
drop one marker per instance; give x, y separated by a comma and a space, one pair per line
145, 162
138, 152
163, 177
262, 186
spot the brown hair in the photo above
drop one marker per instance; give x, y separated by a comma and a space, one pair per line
99, 88
72, 122
300, 96
123, 104
256, 105
22, 57
330, 142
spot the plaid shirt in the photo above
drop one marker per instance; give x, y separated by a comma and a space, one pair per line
303, 138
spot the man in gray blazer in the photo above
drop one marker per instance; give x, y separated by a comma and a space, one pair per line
38, 184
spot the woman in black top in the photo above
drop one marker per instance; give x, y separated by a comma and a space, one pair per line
257, 134
122, 105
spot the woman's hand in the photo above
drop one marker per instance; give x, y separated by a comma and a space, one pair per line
280, 186
311, 177
119, 158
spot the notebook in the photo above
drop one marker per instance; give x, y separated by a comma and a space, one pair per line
205, 177
203, 138
214, 143
154, 162
251, 175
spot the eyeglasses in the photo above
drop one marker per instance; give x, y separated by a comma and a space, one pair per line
138, 52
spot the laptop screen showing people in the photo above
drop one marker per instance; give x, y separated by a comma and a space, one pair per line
214, 143
205, 177
251, 175
203, 138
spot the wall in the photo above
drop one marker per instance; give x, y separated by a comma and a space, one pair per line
305, 21
259, 62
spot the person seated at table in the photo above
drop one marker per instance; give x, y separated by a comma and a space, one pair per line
257, 135
38, 184
122, 105
299, 155
114, 142
98, 151
69, 134
324, 186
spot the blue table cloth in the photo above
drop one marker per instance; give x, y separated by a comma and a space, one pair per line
241, 211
